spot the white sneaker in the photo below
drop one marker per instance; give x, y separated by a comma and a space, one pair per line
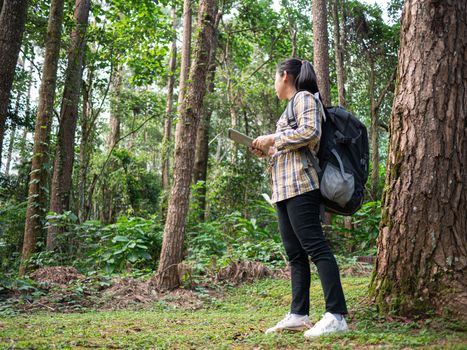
328, 324
291, 322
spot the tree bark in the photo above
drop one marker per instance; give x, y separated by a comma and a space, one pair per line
202, 141
422, 243
38, 183
12, 21
321, 49
168, 110
172, 247
64, 154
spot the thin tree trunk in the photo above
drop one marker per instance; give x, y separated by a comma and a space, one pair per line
168, 110
115, 110
233, 118
321, 49
85, 144
172, 247
374, 134
12, 134
339, 52
22, 147
38, 182
422, 242
64, 155
12, 21
186, 52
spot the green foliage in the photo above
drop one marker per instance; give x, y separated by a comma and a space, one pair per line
235, 237
12, 219
130, 242
361, 239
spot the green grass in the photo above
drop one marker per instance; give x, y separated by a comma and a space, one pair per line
236, 321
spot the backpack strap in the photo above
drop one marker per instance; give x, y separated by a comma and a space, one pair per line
292, 121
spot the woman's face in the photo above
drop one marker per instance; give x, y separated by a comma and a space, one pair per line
281, 85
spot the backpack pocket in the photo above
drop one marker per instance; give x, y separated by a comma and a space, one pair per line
337, 185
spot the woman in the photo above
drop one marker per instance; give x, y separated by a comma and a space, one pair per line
295, 190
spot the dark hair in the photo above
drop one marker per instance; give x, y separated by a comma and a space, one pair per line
303, 74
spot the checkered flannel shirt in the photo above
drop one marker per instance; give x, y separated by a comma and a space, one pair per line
288, 175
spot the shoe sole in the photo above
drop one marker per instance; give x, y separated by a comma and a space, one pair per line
327, 333
294, 329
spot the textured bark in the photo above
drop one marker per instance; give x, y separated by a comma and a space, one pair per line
168, 109
202, 141
38, 182
339, 52
12, 20
321, 49
172, 247
64, 154
422, 245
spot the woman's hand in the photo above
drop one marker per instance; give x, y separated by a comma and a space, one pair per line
261, 154
263, 142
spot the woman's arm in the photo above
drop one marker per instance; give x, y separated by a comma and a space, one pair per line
308, 131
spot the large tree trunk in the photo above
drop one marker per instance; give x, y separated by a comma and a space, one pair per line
321, 59
37, 195
12, 20
321, 49
168, 110
422, 243
200, 169
64, 154
172, 247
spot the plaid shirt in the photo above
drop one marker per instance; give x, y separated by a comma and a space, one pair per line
289, 177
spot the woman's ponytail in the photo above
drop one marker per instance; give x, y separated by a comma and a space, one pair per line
306, 79
302, 71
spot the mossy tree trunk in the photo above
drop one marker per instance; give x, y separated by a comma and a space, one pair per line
422, 244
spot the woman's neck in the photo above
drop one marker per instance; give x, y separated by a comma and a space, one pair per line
291, 92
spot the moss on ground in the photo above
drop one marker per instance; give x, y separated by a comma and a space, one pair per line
235, 321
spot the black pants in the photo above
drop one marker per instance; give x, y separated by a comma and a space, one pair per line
302, 236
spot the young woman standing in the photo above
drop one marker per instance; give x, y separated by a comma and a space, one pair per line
295, 190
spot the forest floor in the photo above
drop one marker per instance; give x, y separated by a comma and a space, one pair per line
122, 314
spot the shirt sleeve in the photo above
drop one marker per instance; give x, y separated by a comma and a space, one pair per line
308, 131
